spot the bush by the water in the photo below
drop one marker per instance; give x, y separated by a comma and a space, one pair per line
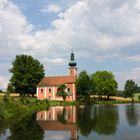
10, 106
139, 97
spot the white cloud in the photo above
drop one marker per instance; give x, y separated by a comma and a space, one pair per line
90, 26
101, 58
85, 27
15, 30
133, 74
3, 82
133, 58
54, 61
3, 3
51, 8
100, 29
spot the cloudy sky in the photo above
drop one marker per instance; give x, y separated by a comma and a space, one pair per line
104, 34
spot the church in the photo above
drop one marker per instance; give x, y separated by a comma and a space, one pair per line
47, 88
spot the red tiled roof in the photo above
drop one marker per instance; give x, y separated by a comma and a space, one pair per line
57, 81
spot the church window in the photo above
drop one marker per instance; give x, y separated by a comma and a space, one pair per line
41, 116
68, 116
49, 90
49, 116
68, 89
41, 90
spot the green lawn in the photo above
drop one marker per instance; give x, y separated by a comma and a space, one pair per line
136, 95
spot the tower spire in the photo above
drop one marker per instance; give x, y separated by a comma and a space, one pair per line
72, 66
72, 63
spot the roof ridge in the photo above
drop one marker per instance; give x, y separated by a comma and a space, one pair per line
57, 80
58, 76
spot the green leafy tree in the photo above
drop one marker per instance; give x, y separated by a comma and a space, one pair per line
104, 83
138, 90
26, 74
1, 91
130, 88
83, 86
10, 88
61, 91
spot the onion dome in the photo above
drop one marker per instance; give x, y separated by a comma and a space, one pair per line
72, 63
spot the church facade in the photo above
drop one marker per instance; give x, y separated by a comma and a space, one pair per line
47, 88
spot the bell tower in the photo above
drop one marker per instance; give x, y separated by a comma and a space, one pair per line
72, 71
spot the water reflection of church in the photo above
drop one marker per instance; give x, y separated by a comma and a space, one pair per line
58, 123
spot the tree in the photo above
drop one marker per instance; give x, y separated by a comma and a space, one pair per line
61, 91
104, 83
138, 89
10, 88
26, 74
83, 86
129, 89
1, 91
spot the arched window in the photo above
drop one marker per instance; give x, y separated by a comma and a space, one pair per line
68, 92
41, 90
49, 116
41, 116
49, 90
68, 89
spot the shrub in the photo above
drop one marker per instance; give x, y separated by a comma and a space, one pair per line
1, 110
5, 98
139, 97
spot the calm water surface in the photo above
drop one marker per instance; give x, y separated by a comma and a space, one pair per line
99, 122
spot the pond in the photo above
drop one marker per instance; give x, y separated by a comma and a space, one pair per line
98, 122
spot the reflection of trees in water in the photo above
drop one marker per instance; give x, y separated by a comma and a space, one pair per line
26, 129
132, 114
3, 126
101, 119
84, 120
61, 116
105, 119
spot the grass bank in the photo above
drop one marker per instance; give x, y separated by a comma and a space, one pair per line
104, 100
10, 107
62, 103
115, 102
92, 102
